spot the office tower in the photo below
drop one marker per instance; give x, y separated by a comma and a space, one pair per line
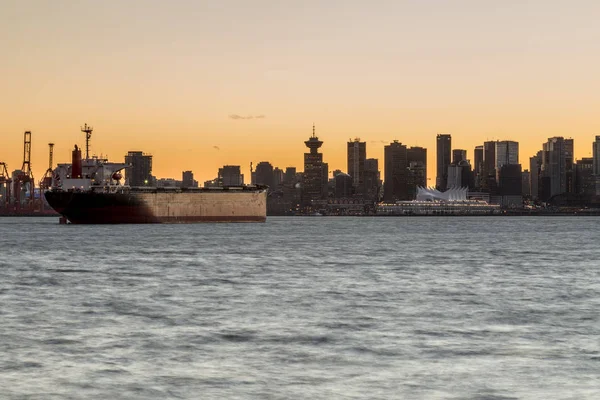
230, 175
585, 183
477, 167
507, 152
315, 172
510, 185
344, 185
557, 167
277, 177
372, 181
263, 175
460, 175
596, 168
418, 155
458, 155
187, 179
443, 152
526, 183
357, 154
395, 182
140, 173
535, 174
487, 180
290, 176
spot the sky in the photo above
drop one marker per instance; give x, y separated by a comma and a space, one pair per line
202, 84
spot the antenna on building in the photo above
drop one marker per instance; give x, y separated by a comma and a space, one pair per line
88, 134
313, 130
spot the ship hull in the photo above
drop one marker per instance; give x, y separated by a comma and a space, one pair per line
156, 206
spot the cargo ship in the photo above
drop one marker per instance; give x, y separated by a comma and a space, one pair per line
89, 191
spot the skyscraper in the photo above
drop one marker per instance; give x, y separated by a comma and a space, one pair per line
557, 166
372, 180
187, 179
507, 152
596, 156
477, 166
230, 175
264, 175
315, 172
444, 146
535, 170
416, 158
357, 154
458, 155
140, 173
395, 182
487, 180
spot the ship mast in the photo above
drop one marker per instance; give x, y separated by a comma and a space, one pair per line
88, 134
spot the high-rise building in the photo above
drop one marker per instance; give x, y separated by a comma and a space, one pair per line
263, 174
507, 152
557, 166
458, 155
488, 170
277, 177
443, 152
585, 183
187, 179
596, 167
372, 181
230, 175
343, 185
315, 172
418, 155
140, 173
510, 185
477, 166
395, 182
357, 154
460, 175
290, 176
526, 183
535, 174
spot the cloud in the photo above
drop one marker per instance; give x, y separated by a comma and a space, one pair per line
216, 148
237, 116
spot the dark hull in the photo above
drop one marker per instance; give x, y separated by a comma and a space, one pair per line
145, 208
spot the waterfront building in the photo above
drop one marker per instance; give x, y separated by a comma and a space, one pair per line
290, 176
596, 167
460, 175
487, 179
443, 152
510, 186
477, 165
526, 183
187, 180
395, 182
263, 175
535, 174
458, 155
140, 172
344, 185
557, 166
585, 182
372, 180
230, 175
433, 202
357, 154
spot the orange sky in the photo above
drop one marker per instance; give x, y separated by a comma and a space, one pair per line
164, 78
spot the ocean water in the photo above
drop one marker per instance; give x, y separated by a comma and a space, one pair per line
302, 308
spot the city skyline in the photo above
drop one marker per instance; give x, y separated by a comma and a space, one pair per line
202, 85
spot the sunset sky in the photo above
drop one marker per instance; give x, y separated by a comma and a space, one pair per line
165, 77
